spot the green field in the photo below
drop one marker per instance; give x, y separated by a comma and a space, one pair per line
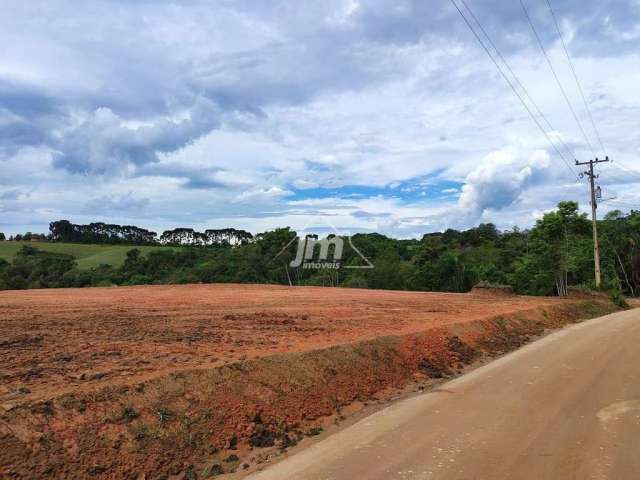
87, 255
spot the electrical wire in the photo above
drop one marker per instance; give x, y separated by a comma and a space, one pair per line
515, 91
517, 80
525, 93
575, 77
630, 175
627, 169
555, 75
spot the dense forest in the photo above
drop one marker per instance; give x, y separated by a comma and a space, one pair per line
555, 253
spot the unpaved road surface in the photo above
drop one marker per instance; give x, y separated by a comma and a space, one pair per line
564, 407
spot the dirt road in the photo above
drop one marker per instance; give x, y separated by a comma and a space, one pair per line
565, 407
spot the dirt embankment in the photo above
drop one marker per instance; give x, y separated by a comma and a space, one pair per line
204, 420
634, 302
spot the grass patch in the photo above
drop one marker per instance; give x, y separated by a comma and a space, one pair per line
164, 415
128, 413
87, 255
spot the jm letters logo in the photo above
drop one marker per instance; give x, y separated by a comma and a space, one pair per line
307, 248
326, 253
332, 252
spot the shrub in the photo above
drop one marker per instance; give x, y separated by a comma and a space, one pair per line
618, 298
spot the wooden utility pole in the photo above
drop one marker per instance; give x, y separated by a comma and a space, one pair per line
594, 205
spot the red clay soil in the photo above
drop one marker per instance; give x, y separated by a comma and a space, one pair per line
52, 341
169, 381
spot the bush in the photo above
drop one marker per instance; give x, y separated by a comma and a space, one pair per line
35, 269
618, 298
614, 290
139, 280
356, 282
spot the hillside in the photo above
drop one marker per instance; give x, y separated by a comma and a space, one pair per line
87, 255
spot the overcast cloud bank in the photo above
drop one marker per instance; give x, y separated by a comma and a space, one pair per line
380, 115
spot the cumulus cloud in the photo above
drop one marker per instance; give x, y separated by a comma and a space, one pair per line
499, 179
104, 142
27, 116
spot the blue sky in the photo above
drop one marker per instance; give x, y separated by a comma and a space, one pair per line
369, 115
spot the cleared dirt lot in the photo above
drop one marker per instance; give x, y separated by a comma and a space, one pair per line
188, 382
52, 341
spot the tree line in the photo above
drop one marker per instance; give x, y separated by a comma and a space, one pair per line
557, 252
104, 233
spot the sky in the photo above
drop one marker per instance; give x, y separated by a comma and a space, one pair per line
360, 116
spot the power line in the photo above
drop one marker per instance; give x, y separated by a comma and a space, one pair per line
515, 91
575, 77
629, 174
580, 89
517, 79
555, 75
628, 170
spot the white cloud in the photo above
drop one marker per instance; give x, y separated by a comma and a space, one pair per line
499, 179
303, 184
214, 112
262, 195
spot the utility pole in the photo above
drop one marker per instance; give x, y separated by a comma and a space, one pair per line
594, 205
